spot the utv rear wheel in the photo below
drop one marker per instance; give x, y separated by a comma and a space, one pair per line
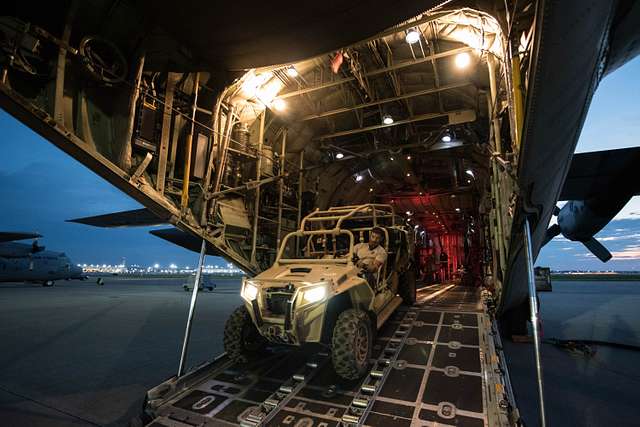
351, 344
407, 288
242, 341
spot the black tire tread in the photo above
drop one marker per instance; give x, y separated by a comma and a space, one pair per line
407, 287
233, 338
343, 351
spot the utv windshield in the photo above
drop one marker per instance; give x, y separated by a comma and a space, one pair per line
316, 246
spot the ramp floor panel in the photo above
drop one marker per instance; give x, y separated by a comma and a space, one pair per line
440, 377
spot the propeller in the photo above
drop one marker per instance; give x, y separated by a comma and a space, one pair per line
575, 223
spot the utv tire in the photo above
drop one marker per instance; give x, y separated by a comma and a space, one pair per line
242, 341
407, 287
351, 344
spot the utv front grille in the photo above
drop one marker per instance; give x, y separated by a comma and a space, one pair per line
277, 300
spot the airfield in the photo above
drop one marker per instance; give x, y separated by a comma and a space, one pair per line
78, 354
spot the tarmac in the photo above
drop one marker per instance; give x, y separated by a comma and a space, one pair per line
78, 354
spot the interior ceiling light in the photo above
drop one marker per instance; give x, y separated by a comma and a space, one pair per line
279, 104
463, 60
339, 156
387, 119
292, 72
359, 178
412, 36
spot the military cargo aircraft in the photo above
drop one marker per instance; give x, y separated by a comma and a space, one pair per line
21, 262
232, 121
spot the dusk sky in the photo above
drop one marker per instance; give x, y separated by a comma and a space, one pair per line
41, 187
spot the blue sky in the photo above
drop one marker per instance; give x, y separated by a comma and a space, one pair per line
41, 187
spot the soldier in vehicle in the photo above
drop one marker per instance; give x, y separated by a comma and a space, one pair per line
371, 256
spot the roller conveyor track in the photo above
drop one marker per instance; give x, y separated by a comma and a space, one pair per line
447, 370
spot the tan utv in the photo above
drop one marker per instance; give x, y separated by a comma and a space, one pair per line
315, 292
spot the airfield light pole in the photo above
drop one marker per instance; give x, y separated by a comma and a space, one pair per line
192, 309
533, 307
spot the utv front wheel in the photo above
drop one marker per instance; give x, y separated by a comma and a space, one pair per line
242, 341
351, 344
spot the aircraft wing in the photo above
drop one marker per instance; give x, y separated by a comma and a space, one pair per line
10, 236
134, 218
185, 240
593, 174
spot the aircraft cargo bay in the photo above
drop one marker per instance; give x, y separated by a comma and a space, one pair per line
384, 175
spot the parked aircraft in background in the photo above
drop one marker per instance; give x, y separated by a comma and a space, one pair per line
20, 262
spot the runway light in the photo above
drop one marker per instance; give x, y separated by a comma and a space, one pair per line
339, 156
387, 119
412, 36
463, 60
292, 72
359, 178
279, 104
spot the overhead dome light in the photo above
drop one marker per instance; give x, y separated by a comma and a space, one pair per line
292, 72
463, 60
279, 104
412, 36
387, 119
339, 156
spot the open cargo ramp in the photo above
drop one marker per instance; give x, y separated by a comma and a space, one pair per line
436, 363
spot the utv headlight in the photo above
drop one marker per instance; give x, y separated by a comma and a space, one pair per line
249, 291
314, 294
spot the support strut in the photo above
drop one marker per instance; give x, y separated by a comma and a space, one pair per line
533, 306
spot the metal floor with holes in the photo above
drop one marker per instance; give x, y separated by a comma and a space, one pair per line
436, 363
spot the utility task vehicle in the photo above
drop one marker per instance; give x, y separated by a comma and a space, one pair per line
316, 293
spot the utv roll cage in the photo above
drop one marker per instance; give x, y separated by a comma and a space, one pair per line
342, 220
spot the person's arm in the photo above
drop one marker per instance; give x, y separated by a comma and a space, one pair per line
378, 261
